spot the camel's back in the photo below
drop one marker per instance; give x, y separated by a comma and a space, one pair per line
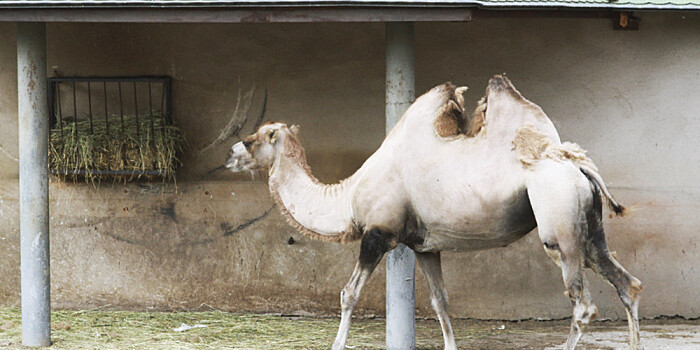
458, 186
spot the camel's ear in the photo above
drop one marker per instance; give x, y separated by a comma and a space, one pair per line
294, 129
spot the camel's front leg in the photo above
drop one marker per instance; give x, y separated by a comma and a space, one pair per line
430, 264
348, 298
374, 245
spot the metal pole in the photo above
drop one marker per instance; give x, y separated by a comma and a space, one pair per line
33, 183
400, 263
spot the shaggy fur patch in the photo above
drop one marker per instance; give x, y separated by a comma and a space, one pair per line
478, 118
531, 145
452, 119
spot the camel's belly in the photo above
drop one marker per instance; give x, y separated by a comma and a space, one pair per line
477, 233
461, 242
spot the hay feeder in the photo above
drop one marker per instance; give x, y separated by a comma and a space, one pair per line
119, 128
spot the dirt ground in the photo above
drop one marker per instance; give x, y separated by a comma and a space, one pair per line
220, 330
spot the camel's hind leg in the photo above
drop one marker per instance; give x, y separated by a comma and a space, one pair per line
599, 258
432, 269
558, 195
577, 290
570, 259
562, 245
628, 288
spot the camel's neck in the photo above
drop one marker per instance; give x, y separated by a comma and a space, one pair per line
322, 211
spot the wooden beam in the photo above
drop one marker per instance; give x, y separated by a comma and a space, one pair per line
229, 15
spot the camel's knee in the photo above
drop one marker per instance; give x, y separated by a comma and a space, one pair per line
438, 302
635, 288
631, 292
348, 298
630, 299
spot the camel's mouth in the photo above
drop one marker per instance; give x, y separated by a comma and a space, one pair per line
239, 159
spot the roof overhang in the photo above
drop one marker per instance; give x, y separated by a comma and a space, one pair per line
233, 15
242, 4
256, 11
239, 11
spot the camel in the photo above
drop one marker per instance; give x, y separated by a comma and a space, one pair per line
441, 181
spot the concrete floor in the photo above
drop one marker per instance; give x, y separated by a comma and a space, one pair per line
676, 334
677, 337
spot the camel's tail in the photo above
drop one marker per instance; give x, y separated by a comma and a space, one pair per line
532, 145
593, 174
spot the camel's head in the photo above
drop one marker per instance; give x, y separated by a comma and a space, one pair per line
259, 150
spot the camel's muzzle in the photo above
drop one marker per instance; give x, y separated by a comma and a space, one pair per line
239, 159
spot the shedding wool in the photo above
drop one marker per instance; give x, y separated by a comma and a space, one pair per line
478, 118
532, 145
452, 119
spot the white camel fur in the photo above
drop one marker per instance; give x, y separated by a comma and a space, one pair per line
443, 182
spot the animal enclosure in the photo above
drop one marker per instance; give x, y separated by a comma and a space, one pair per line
169, 245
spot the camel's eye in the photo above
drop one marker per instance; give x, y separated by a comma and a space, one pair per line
247, 142
271, 135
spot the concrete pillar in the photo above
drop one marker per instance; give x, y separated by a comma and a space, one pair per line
400, 263
33, 183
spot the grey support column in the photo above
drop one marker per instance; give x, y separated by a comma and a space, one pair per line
33, 183
400, 263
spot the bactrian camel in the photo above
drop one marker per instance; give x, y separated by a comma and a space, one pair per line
442, 181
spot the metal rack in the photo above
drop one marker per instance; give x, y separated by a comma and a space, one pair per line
89, 99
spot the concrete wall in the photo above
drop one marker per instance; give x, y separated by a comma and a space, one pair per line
215, 240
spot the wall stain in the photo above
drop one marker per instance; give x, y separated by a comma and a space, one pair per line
228, 231
122, 239
199, 242
169, 210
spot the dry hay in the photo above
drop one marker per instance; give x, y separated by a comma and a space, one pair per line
108, 330
138, 146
